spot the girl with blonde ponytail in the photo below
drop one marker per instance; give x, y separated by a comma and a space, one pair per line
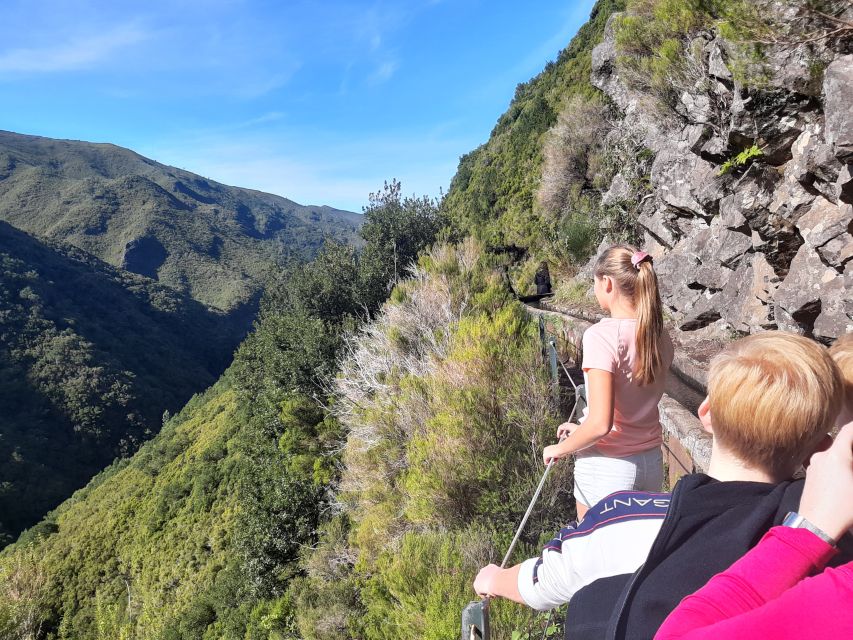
626, 358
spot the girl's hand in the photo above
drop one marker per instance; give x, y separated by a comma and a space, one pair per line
566, 429
483, 581
553, 452
827, 500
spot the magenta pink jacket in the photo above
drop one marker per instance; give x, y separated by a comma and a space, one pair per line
768, 594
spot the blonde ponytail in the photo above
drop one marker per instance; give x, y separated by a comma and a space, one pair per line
635, 277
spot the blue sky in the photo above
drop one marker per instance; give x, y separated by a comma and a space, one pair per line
317, 101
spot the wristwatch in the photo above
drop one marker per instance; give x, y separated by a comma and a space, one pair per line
796, 521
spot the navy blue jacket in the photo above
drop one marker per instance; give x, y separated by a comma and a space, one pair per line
709, 525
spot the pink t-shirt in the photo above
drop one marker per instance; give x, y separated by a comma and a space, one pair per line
611, 345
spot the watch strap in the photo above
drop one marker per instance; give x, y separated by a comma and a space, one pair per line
796, 521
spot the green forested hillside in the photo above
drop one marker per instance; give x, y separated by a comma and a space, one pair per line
493, 194
90, 357
209, 240
445, 403
200, 533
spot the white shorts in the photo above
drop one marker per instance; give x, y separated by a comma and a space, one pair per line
597, 476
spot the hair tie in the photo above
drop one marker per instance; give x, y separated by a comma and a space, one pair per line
638, 257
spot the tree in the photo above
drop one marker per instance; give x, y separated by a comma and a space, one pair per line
395, 229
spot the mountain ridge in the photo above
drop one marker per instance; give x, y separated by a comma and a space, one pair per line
210, 240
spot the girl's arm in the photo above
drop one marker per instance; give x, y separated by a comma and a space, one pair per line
599, 420
764, 595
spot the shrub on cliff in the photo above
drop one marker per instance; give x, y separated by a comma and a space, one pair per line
445, 401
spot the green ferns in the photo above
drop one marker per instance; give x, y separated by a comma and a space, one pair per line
742, 159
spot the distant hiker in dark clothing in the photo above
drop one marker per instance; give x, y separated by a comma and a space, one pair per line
772, 398
543, 279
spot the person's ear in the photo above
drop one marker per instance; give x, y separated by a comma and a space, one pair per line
704, 414
823, 444
608, 284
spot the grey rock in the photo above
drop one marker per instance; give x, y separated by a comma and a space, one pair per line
705, 259
619, 191
706, 312
836, 310
799, 298
686, 182
715, 149
653, 247
696, 107
694, 136
746, 301
838, 114
813, 164
844, 184
759, 243
656, 228
726, 245
674, 289
822, 222
790, 199
716, 64
827, 228
730, 214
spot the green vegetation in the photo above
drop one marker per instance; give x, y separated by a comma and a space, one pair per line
661, 54
90, 358
445, 401
742, 159
493, 194
200, 533
213, 242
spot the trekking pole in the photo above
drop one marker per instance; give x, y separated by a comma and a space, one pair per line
475, 616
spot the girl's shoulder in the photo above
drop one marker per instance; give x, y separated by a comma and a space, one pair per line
605, 334
610, 327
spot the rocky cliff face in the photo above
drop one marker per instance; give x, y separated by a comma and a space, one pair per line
765, 243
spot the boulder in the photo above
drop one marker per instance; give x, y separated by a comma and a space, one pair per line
619, 191
827, 229
746, 302
726, 245
838, 98
686, 182
705, 312
696, 107
730, 213
809, 289
813, 164
716, 62
836, 311
674, 289
661, 225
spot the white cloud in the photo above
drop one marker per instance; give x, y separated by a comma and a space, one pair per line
383, 72
78, 53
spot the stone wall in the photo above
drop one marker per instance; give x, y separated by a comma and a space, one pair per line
763, 246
